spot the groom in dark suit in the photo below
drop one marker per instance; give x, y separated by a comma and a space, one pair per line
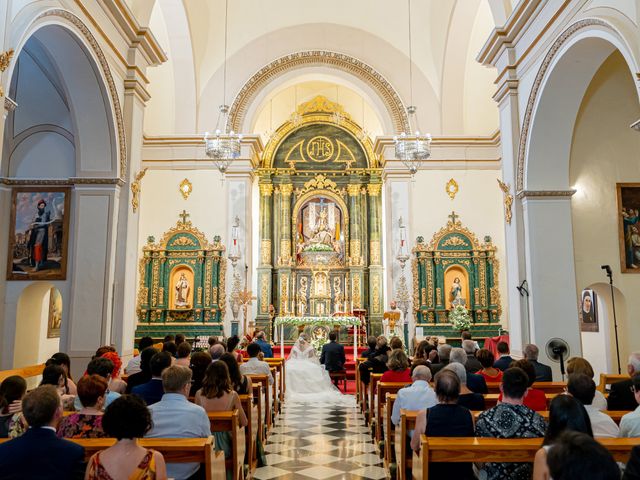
332, 356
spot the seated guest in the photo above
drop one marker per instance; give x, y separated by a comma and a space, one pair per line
242, 348
395, 343
565, 413
116, 384
12, 390
87, 423
133, 366
172, 349
583, 389
444, 351
632, 470
535, 399
446, 419
332, 355
577, 455
620, 396
467, 398
217, 395
180, 338
152, 391
504, 359
127, 419
184, 354
472, 365
522, 423
64, 361
39, 453
488, 371
264, 345
144, 375
376, 362
199, 363
254, 366
232, 345
176, 417
475, 382
630, 423
543, 372
216, 351
103, 367
398, 365
417, 396
580, 365
371, 346
54, 375
169, 338
240, 383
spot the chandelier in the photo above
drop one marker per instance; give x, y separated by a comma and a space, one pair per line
412, 148
223, 146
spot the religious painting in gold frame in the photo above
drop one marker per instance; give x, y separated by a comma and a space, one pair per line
54, 322
628, 195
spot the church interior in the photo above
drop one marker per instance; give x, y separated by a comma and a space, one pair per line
232, 168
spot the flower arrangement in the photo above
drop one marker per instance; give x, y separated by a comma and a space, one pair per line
460, 318
318, 247
295, 321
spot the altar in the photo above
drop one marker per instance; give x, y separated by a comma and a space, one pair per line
319, 331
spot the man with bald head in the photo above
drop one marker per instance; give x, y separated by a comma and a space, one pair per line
216, 351
543, 372
417, 396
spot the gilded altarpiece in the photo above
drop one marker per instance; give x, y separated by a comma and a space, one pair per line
182, 284
320, 218
454, 268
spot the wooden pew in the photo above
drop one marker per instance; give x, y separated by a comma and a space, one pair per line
491, 399
257, 400
371, 407
24, 372
230, 422
251, 411
274, 392
461, 449
279, 364
546, 387
384, 388
174, 450
607, 379
389, 431
359, 389
263, 381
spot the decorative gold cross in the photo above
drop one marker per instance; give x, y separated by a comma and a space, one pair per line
184, 216
454, 218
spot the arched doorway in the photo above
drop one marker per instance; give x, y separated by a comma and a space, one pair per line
65, 132
546, 182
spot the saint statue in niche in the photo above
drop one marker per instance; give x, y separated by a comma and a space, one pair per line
302, 297
456, 293
182, 292
322, 235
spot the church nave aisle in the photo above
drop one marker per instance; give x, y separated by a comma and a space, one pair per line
321, 442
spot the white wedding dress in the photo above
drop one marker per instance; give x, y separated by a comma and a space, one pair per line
307, 381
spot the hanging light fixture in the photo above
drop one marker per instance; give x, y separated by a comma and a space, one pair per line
412, 147
223, 146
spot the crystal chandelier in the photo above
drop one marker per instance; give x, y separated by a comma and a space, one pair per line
223, 146
412, 148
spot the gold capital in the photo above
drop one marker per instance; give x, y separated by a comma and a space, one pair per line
353, 190
374, 189
266, 189
286, 189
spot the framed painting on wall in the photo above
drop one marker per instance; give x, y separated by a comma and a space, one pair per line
38, 233
629, 226
55, 313
589, 311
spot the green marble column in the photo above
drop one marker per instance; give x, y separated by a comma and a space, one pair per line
376, 294
264, 294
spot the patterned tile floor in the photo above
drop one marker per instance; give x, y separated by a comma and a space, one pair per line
321, 442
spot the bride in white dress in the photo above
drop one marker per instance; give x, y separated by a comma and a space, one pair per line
307, 381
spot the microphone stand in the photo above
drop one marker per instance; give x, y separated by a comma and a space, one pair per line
615, 320
523, 290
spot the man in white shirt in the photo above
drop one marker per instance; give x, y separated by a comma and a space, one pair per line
417, 396
583, 389
630, 423
134, 364
176, 417
254, 366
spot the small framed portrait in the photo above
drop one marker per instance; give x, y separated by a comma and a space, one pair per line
38, 233
55, 313
629, 226
589, 311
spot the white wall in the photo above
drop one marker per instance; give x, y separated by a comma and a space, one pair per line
605, 151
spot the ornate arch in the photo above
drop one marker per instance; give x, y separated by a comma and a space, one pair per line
106, 75
538, 83
339, 61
